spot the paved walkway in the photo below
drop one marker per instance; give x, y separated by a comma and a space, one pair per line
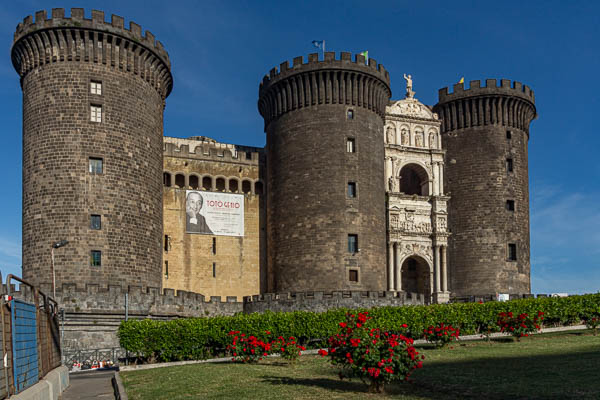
90, 385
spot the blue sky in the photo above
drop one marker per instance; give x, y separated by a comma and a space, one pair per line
221, 49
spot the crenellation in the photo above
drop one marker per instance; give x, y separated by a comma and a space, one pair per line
79, 25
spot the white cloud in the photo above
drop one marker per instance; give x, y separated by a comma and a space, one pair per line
565, 240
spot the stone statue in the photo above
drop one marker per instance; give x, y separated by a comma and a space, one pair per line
404, 137
432, 140
391, 135
393, 183
419, 139
409, 91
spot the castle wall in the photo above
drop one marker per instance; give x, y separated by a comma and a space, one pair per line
310, 215
58, 60
476, 122
188, 258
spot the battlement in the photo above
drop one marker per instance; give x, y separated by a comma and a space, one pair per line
45, 40
319, 301
491, 88
313, 63
97, 22
211, 150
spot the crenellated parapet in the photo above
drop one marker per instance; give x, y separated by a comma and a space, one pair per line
210, 150
45, 40
331, 81
511, 104
320, 301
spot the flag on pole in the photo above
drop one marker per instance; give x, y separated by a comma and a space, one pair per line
366, 54
462, 80
319, 44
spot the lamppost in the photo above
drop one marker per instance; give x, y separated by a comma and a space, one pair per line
56, 246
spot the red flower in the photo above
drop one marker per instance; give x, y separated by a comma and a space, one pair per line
343, 324
322, 352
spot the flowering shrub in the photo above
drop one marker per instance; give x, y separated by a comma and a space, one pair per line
371, 354
521, 325
593, 323
288, 349
248, 349
441, 334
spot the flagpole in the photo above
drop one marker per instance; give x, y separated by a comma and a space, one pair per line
323, 49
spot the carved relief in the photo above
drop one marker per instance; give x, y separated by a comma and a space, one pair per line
410, 249
441, 224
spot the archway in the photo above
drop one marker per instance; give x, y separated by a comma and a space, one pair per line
414, 180
416, 276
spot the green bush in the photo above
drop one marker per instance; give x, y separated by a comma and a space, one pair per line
201, 338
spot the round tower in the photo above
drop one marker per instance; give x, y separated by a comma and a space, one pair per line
486, 132
326, 221
93, 100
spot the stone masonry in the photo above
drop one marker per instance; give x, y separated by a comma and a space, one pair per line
485, 132
311, 110
67, 121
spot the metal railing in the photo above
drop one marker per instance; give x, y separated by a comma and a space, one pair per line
30, 336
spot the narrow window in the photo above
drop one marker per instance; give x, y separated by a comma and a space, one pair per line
352, 243
214, 248
509, 165
166, 179
180, 181
510, 205
351, 189
96, 113
350, 147
95, 222
248, 155
95, 258
166, 269
512, 252
350, 114
508, 134
214, 270
167, 243
96, 87
95, 165
353, 275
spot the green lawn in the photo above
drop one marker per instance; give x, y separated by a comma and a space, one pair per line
552, 366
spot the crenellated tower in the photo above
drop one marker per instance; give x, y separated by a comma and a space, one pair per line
93, 99
326, 225
486, 133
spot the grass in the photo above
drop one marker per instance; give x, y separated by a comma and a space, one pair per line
549, 366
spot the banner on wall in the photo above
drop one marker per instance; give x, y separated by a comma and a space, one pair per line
213, 213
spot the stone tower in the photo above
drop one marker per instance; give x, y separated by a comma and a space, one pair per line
486, 132
326, 227
93, 100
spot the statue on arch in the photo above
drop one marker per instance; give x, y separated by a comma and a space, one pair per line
409, 85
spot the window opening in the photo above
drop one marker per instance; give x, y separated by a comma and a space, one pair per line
350, 145
96, 258
352, 243
351, 189
95, 165
96, 113
95, 222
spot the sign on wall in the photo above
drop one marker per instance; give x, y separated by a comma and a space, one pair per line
212, 213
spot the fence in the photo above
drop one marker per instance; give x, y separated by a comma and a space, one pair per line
30, 336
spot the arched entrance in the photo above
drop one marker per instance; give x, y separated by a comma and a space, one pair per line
414, 180
416, 276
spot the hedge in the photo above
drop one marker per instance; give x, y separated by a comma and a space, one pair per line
201, 338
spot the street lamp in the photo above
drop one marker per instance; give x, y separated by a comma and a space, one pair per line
56, 246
